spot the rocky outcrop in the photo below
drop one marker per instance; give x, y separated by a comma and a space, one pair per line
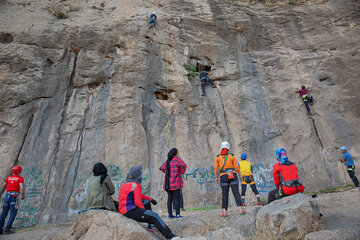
87, 81
289, 218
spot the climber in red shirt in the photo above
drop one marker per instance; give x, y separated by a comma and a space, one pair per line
286, 177
14, 187
135, 205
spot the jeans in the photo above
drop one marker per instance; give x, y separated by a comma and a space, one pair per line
153, 21
9, 203
309, 98
204, 81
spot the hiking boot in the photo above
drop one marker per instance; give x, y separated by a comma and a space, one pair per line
179, 216
151, 227
8, 231
171, 216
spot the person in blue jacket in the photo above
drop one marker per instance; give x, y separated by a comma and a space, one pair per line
152, 21
348, 160
205, 79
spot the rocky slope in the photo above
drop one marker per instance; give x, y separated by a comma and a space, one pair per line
86, 81
295, 217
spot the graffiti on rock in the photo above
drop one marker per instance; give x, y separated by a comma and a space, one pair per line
204, 177
263, 178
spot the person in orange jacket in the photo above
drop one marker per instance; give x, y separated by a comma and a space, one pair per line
286, 178
227, 167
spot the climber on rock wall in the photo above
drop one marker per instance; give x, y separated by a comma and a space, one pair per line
135, 205
303, 91
152, 21
348, 160
173, 168
14, 187
227, 166
246, 171
205, 79
286, 178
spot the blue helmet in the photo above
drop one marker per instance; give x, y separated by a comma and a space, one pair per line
345, 148
204, 71
243, 156
281, 155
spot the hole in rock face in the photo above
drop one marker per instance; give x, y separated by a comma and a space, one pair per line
201, 67
161, 95
327, 80
6, 38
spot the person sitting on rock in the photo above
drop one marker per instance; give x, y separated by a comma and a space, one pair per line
349, 163
303, 91
247, 175
227, 166
99, 190
14, 185
131, 203
205, 79
173, 168
286, 178
152, 21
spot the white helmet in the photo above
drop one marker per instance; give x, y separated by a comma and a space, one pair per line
225, 144
153, 13
345, 148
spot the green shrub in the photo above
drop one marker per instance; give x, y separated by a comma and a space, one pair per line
191, 71
292, 2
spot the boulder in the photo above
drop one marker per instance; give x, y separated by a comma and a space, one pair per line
187, 226
333, 235
244, 225
290, 219
106, 225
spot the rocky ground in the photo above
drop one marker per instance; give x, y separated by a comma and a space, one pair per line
282, 219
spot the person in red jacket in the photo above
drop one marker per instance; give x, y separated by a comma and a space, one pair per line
173, 168
14, 187
135, 205
286, 177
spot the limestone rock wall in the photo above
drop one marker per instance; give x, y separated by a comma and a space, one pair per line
87, 81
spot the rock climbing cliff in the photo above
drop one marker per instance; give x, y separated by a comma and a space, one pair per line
87, 81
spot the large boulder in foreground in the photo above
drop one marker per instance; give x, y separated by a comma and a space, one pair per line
106, 225
288, 218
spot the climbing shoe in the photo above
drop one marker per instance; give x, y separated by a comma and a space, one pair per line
204, 94
171, 216
179, 216
8, 231
151, 227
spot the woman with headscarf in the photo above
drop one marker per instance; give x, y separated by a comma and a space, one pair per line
135, 205
173, 168
99, 190
286, 178
227, 167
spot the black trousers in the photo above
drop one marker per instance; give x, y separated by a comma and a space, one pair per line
353, 177
141, 215
275, 195
173, 196
253, 188
226, 184
181, 201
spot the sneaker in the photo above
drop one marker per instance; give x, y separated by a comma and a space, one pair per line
171, 216
151, 227
173, 236
8, 231
179, 216
243, 205
259, 203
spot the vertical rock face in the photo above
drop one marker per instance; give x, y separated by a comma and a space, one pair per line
87, 81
